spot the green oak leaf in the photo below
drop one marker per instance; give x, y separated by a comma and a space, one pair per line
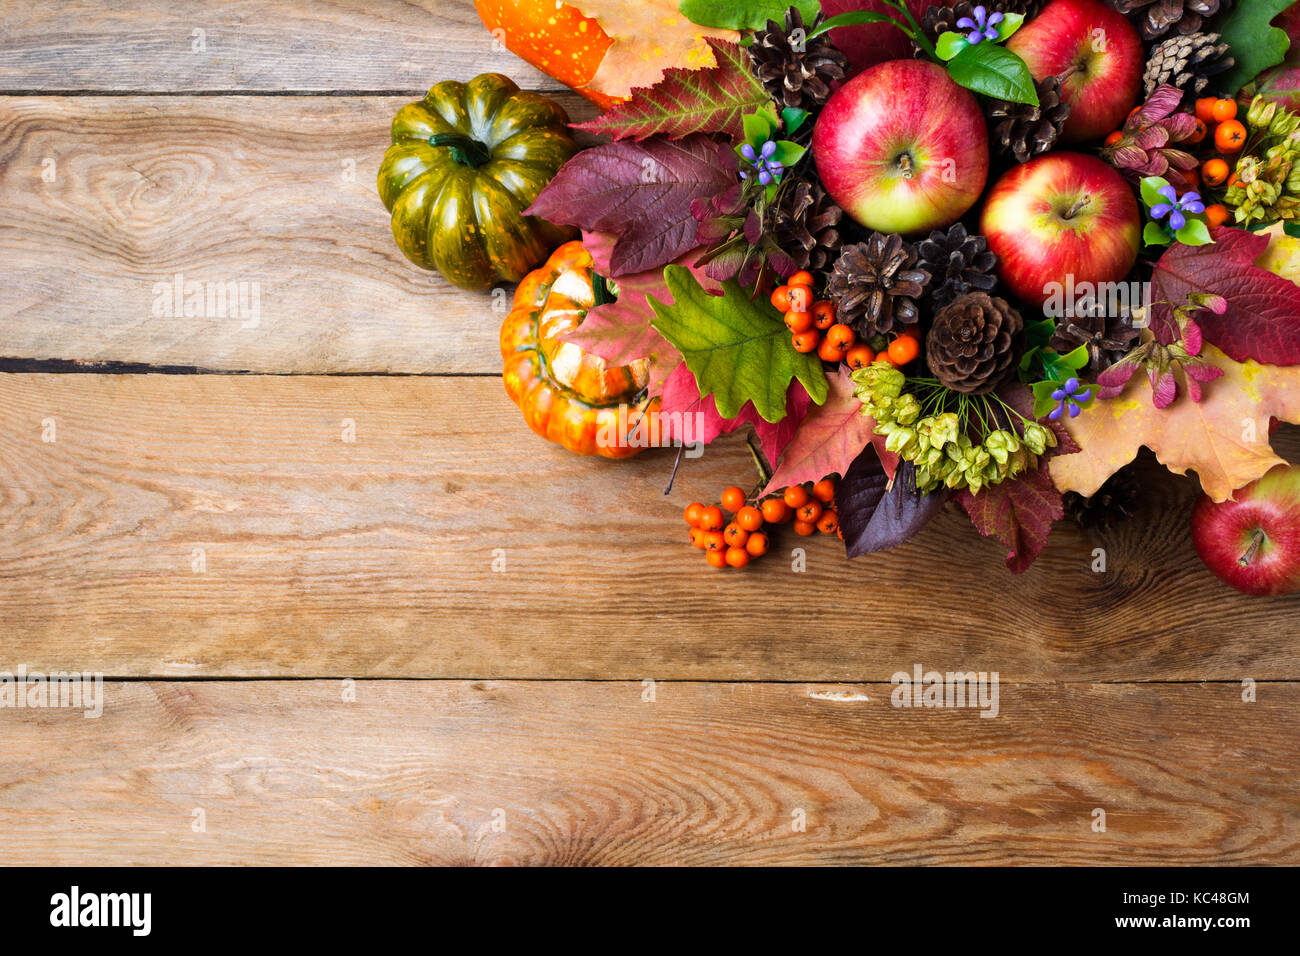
1255, 45
994, 71
745, 14
738, 349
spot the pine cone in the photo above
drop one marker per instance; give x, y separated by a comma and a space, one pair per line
799, 78
1024, 131
875, 284
974, 342
1115, 501
1108, 338
807, 225
1187, 62
957, 262
1160, 17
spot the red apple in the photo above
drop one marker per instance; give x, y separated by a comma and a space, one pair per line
1097, 53
1253, 541
1059, 221
902, 148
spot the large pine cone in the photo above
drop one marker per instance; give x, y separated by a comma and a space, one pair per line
1160, 17
797, 73
1025, 131
974, 342
807, 226
957, 262
875, 285
1187, 62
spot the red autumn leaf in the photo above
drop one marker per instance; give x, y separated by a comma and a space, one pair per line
640, 192
1262, 320
699, 420
830, 438
1018, 513
689, 101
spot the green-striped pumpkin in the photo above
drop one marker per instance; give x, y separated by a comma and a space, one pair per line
466, 161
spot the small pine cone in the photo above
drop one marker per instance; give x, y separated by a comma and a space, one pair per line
1161, 17
807, 226
1115, 501
1187, 62
875, 285
1108, 338
957, 262
974, 342
798, 78
1025, 131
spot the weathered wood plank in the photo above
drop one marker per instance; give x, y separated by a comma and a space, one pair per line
275, 193
276, 45
329, 558
591, 773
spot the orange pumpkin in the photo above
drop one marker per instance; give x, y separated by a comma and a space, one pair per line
569, 396
562, 43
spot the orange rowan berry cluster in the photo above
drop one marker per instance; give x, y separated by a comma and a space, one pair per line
734, 544
813, 328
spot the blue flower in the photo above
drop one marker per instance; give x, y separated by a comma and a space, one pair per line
983, 27
1070, 398
769, 170
1177, 209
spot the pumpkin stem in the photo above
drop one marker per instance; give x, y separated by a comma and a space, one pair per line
601, 289
466, 151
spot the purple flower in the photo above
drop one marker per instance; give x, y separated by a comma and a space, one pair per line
1070, 398
983, 27
769, 170
1177, 209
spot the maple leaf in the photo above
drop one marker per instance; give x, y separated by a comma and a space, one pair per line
830, 438
1262, 318
1019, 513
648, 36
640, 192
738, 349
877, 512
689, 417
691, 101
1223, 438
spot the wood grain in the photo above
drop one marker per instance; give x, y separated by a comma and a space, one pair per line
590, 773
374, 558
270, 45
275, 193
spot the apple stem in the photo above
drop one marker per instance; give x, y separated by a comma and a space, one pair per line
1079, 204
1256, 540
905, 164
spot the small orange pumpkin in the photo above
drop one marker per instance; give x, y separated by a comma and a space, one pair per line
569, 396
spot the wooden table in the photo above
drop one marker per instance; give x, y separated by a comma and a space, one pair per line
276, 540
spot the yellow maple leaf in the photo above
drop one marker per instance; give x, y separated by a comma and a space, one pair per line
1223, 437
649, 36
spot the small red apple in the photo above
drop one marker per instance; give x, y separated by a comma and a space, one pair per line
1253, 541
1060, 221
902, 148
1098, 55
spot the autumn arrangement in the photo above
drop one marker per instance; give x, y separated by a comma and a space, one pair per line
921, 253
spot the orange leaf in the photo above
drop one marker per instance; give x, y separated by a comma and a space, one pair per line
1223, 438
649, 36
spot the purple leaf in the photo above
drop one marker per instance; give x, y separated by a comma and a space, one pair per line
641, 192
875, 516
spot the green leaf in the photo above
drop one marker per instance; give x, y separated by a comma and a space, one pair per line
788, 153
1011, 22
1043, 401
1291, 228
792, 118
758, 127
1194, 233
856, 18
994, 71
1154, 235
1255, 45
1151, 187
738, 349
745, 14
1076, 359
950, 44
